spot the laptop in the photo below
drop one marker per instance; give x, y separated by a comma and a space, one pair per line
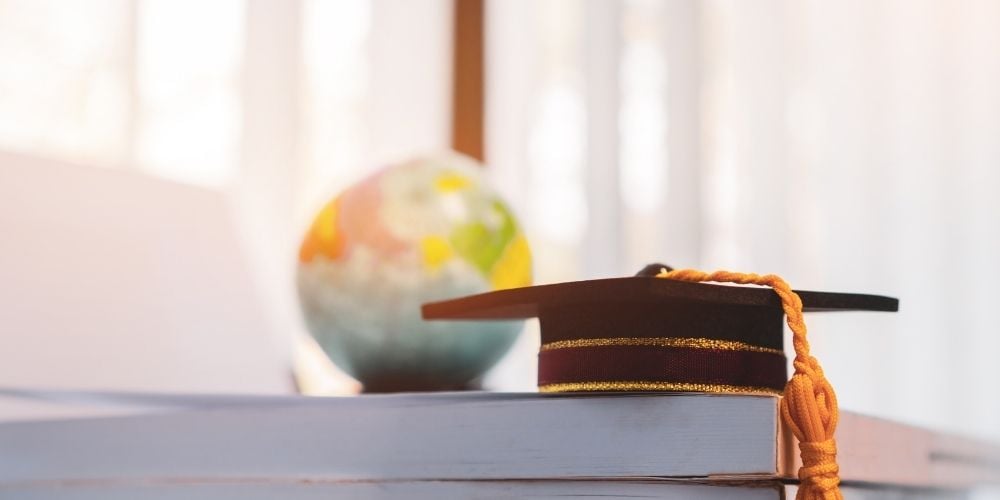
114, 280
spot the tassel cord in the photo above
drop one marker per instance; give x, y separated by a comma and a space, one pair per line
809, 405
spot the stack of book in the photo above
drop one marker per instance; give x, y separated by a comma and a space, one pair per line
464, 445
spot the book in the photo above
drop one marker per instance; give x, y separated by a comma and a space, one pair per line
309, 489
386, 442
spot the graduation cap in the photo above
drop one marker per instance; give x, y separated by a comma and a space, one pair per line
644, 333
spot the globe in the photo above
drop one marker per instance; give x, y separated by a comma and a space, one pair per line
418, 231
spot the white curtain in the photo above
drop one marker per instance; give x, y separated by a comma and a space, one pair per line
848, 146
858, 142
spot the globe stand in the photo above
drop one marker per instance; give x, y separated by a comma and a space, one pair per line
390, 384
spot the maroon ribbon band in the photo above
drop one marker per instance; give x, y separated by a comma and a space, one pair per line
681, 365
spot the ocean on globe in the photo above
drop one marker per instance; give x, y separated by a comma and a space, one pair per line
419, 231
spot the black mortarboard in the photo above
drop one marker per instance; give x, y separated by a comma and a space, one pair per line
646, 333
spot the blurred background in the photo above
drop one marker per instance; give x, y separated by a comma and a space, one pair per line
161, 159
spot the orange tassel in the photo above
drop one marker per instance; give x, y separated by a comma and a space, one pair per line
809, 405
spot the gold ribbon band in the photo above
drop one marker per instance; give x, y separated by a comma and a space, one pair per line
636, 386
690, 343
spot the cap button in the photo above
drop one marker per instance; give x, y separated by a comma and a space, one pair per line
651, 270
